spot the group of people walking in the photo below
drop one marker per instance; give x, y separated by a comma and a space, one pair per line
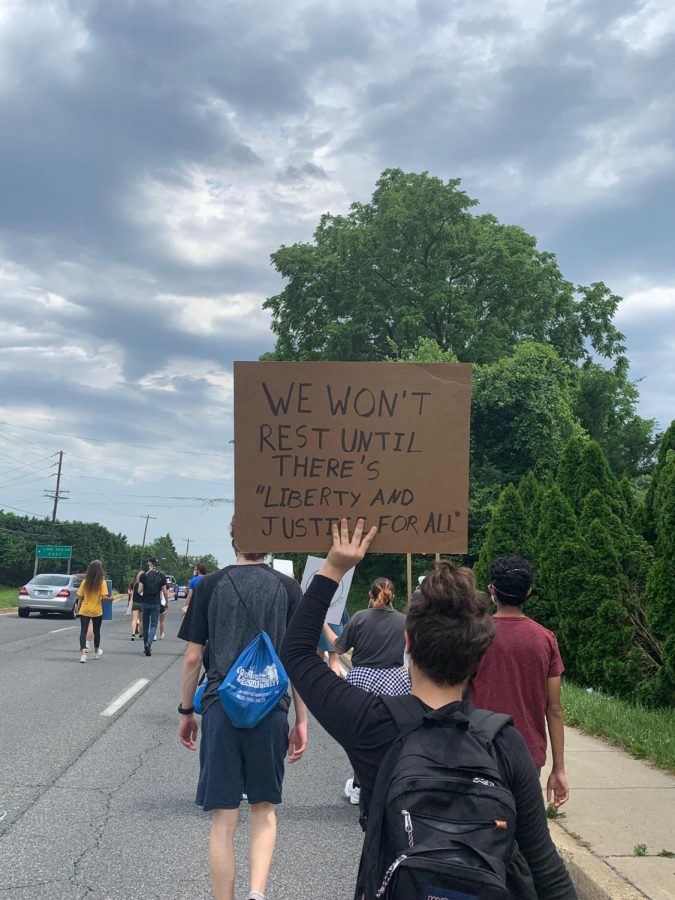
449, 793
148, 598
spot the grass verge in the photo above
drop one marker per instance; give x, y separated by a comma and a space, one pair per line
644, 733
8, 597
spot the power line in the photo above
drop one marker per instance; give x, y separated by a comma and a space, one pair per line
34, 515
79, 437
23, 479
112, 465
23, 464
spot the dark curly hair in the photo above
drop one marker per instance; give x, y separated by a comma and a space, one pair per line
449, 626
511, 578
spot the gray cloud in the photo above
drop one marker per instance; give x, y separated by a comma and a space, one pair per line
154, 155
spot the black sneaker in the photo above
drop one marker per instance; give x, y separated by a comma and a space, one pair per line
147, 650
133, 637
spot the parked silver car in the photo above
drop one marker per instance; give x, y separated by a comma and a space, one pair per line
50, 593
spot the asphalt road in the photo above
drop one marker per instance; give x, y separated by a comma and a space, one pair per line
103, 806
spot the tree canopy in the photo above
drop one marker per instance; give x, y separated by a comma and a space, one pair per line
416, 275
415, 263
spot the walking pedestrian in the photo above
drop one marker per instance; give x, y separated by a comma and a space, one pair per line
331, 632
448, 630
92, 590
163, 609
377, 637
136, 591
154, 588
198, 573
228, 609
521, 672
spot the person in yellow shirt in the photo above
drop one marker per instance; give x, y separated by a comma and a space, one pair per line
92, 591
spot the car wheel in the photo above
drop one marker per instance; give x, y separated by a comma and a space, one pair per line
24, 613
73, 613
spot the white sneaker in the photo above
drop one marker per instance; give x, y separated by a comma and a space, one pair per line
98, 653
353, 794
83, 656
155, 638
161, 637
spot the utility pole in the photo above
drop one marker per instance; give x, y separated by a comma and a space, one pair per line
187, 549
145, 533
57, 494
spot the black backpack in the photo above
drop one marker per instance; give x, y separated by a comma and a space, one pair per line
441, 825
153, 583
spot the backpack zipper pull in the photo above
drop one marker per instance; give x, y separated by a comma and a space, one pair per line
407, 821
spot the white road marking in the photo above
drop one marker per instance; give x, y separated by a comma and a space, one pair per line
67, 628
125, 696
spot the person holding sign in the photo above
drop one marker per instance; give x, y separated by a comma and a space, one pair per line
444, 832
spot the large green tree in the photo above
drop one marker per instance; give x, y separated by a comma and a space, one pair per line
605, 405
647, 515
521, 411
557, 524
660, 594
415, 262
505, 535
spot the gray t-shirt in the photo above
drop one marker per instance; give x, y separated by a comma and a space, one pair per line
216, 614
377, 638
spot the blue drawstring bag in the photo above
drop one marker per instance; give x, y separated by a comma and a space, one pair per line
256, 682
197, 702
254, 685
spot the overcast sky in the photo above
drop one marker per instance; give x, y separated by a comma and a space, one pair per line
153, 155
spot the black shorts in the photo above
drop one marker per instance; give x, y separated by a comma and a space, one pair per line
235, 761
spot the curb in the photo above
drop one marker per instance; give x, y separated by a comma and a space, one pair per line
593, 878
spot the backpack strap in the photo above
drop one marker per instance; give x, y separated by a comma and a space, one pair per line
488, 724
243, 603
407, 716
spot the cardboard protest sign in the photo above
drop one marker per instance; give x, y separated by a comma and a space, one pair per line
319, 441
339, 601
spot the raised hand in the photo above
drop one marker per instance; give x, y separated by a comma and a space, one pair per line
346, 552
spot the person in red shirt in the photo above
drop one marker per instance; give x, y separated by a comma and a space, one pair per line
520, 673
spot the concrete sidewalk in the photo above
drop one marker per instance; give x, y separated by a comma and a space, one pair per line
616, 803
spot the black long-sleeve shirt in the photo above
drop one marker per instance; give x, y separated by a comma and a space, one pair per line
362, 724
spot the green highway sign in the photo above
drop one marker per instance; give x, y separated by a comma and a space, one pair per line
51, 551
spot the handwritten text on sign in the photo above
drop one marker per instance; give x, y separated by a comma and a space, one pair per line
316, 442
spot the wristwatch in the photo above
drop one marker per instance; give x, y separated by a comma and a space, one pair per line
185, 712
